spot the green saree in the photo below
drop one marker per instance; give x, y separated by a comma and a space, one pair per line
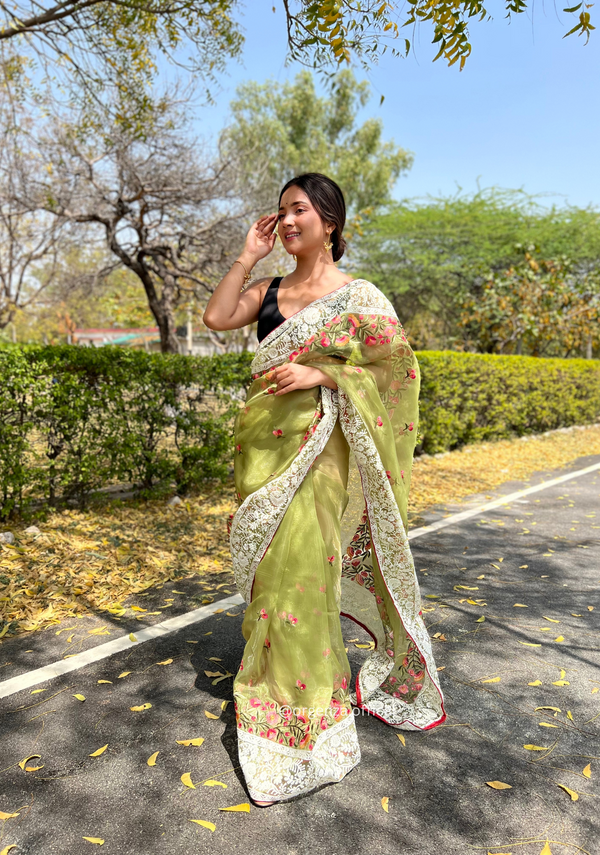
322, 480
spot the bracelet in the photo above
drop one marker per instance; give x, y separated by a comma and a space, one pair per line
246, 274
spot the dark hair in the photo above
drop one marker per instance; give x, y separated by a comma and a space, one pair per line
328, 200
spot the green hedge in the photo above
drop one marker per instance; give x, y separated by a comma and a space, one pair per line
74, 419
468, 397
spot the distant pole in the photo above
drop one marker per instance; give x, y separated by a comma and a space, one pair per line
189, 331
589, 347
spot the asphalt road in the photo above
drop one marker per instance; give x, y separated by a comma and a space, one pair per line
541, 551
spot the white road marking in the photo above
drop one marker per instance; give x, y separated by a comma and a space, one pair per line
102, 651
496, 503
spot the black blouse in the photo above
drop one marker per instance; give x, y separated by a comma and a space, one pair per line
269, 315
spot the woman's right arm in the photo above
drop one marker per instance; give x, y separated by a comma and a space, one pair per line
227, 308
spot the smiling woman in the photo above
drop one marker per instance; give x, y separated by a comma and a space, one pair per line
334, 381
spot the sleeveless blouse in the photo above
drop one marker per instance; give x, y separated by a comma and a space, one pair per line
269, 315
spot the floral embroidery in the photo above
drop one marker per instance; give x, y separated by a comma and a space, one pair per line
263, 615
278, 432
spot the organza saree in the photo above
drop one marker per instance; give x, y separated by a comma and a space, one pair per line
322, 480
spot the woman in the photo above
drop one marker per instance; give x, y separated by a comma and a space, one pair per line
335, 389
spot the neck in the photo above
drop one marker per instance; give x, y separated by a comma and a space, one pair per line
311, 267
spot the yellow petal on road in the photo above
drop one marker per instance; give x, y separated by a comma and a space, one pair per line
7, 849
587, 771
197, 741
7, 815
37, 691
535, 747
214, 659
151, 761
523, 566
79, 697
529, 644
572, 793
546, 850
499, 785
123, 674
546, 724
245, 808
218, 611
26, 760
561, 683
563, 673
480, 619
520, 606
211, 783
99, 751
535, 683
105, 681
97, 840
552, 620
204, 823
492, 680
559, 638
553, 709
570, 715
210, 715
186, 779
224, 705
401, 738
165, 662
385, 804
132, 637
595, 689
140, 708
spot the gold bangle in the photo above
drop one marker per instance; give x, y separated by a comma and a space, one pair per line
246, 274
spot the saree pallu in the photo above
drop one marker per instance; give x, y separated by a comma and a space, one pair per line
303, 555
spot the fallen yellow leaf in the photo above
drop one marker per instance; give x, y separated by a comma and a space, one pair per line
218, 611
99, 751
570, 715
401, 738
151, 761
520, 606
535, 683
553, 709
211, 783
26, 760
595, 689
535, 747
529, 644
37, 691
7, 815
559, 638
197, 741
210, 715
385, 804
546, 850
587, 771
7, 849
552, 620
492, 680
140, 708
523, 566
224, 705
245, 807
105, 681
165, 662
561, 683
79, 697
97, 840
499, 785
204, 823
214, 659
132, 637
186, 779
572, 793
480, 619
546, 724
123, 674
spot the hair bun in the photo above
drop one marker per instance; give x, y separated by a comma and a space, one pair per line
339, 246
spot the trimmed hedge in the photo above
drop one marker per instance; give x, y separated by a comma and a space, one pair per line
74, 419
468, 397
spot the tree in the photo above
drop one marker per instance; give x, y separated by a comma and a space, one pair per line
280, 130
430, 256
537, 307
32, 242
169, 215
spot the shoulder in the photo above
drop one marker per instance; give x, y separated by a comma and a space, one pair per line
257, 288
370, 297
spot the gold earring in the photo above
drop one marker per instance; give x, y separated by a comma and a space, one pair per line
294, 257
327, 244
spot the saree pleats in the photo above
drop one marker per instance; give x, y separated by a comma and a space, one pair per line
292, 693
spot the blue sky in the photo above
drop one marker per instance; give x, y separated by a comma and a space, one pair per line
523, 113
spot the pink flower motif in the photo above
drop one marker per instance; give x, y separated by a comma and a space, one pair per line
322, 588
271, 733
331, 558
299, 587
287, 714
272, 718
278, 432
402, 473
370, 340
379, 421
323, 723
293, 355
344, 683
418, 686
389, 331
310, 340
242, 665
263, 614
358, 370
256, 703
326, 652
325, 341
411, 425
301, 686
305, 350
411, 671
293, 620
389, 474
412, 373
342, 339
405, 662
393, 680
267, 643
379, 599
403, 689
270, 391
336, 320
352, 331
238, 448
292, 741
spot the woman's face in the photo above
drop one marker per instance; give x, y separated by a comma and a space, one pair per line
300, 226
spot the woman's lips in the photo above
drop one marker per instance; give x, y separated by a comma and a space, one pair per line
292, 235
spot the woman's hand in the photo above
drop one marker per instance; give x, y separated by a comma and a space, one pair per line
260, 240
290, 377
